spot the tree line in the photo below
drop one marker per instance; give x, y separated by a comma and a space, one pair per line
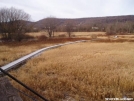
14, 25
52, 24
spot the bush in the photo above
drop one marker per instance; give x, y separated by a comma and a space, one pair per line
18, 38
110, 30
93, 36
62, 35
42, 37
73, 35
110, 33
27, 36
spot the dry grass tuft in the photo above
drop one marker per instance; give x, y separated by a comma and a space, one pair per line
81, 72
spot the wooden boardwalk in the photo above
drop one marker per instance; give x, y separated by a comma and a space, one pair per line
7, 91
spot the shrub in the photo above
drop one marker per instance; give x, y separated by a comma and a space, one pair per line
110, 33
110, 30
27, 36
62, 35
93, 36
42, 37
73, 35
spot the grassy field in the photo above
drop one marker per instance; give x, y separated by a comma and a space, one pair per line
10, 51
76, 34
90, 71
99, 36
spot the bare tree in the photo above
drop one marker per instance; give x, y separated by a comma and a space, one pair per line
132, 28
110, 29
13, 23
50, 25
129, 27
3, 22
69, 27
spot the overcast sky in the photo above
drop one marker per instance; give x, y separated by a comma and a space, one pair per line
39, 9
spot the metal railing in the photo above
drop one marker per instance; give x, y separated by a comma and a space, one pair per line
22, 84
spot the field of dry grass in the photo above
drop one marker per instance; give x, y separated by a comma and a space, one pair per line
76, 34
89, 71
99, 35
10, 51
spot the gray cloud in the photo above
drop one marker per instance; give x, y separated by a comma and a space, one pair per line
39, 9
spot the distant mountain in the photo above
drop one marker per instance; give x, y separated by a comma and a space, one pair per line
91, 21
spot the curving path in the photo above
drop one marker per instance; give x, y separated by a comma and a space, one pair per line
33, 54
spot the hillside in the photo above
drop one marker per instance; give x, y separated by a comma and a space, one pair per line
91, 21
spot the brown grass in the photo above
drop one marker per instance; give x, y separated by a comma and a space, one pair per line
36, 34
100, 35
10, 51
84, 72
76, 34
